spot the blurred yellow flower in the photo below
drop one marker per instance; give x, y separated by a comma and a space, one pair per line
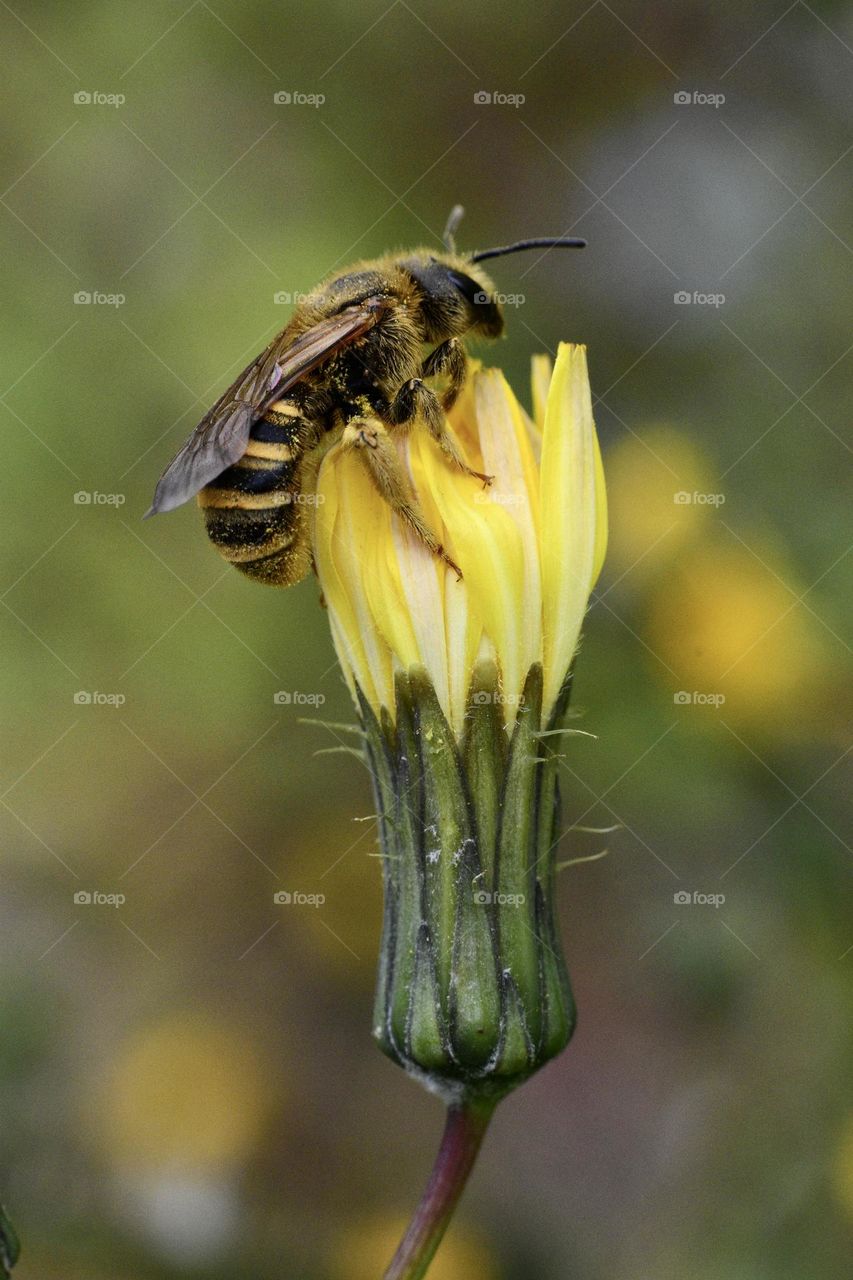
186, 1093
530, 547
645, 475
726, 623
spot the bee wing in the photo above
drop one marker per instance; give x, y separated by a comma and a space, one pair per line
221, 437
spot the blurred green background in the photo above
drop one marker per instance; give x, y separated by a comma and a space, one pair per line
189, 1086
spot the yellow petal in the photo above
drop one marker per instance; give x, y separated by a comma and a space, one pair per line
347, 517
385, 593
600, 512
508, 457
422, 577
464, 634
529, 548
570, 528
486, 543
541, 368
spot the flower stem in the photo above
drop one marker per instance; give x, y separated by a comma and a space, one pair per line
464, 1131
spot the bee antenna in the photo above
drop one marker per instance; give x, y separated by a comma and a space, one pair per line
547, 242
457, 213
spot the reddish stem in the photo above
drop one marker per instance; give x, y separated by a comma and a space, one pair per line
463, 1135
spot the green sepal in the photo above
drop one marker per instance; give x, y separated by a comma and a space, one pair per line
473, 993
447, 823
484, 749
426, 1035
475, 1003
381, 764
515, 872
557, 1001
406, 849
517, 1053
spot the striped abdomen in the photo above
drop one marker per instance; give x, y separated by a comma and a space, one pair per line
254, 511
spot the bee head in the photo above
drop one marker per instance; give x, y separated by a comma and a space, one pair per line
457, 296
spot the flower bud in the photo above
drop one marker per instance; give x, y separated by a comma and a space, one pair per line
462, 686
473, 993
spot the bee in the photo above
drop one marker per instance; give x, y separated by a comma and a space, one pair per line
349, 368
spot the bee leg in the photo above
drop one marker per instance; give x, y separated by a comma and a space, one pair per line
448, 359
323, 604
414, 401
376, 449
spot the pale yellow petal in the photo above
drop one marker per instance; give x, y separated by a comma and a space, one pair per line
464, 633
541, 367
600, 513
507, 457
422, 577
487, 545
529, 548
569, 526
342, 615
385, 593
534, 437
463, 419
348, 521
451, 631
501, 418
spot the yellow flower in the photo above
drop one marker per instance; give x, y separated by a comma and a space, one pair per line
462, 691
530, 546
183, 1092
